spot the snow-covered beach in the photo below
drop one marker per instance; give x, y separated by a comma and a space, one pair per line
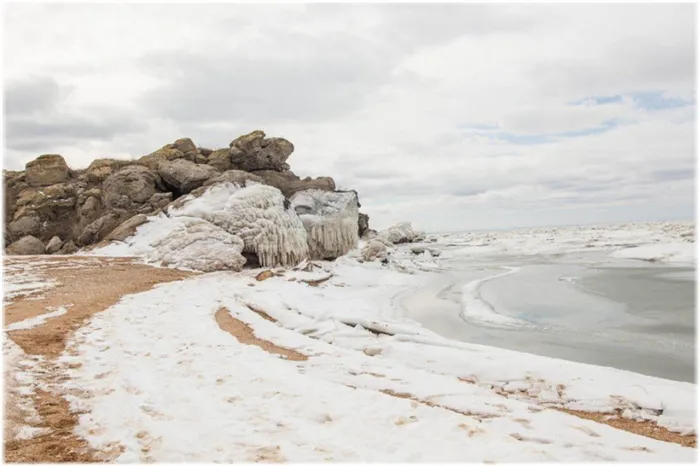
253, 370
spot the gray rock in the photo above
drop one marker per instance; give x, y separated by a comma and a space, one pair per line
255, 152
68, 248
184, 176
221, 160
54, 245
362, 224
127, 228
24, 226
289, 183
100, 169
129, 188
26, 246
46, 170
100, 228
205, 152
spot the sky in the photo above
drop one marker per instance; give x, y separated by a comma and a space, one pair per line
451, 116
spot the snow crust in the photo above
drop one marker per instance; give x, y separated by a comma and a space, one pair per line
179, 388
673, 252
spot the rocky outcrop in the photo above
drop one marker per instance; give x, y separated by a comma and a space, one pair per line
129, 188
220, 159
62, 207
100, 169
254, 151
26, 246
183, 176
46, 170
289, 183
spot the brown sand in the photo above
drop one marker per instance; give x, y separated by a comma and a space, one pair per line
243, 333
645, 428
89, 285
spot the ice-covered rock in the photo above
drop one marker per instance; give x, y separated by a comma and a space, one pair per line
257, 214
330, 220
198, 245
373, 250
399, 233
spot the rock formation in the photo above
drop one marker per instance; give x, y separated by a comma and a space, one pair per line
401, 233
330, 220
63, 208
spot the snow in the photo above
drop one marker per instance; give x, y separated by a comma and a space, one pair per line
663, 252
178, 388
476, 309
35, 321
158, 376
21, 280
679, 236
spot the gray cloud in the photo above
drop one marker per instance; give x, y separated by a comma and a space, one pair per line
322, 79
31, 96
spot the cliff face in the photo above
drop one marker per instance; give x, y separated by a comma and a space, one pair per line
65, 209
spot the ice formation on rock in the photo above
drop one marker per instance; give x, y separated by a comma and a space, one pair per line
330, 220
198, 245
257, 214
400, 233
374, 249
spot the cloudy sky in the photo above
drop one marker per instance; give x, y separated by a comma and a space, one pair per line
451, 116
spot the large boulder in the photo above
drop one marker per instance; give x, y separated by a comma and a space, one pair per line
183, 176
54, 245
156, 203
100, 169
68, 248
187, 147
129, 188
46, 170
54, 206
374, 250
330, 220
289, 183
256, 152
26, 246
399, 233
127, 228
220, 159
100, 228
30, 224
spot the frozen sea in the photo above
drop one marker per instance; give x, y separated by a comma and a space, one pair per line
621, 296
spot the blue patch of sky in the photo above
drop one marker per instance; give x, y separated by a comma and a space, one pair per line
648, 100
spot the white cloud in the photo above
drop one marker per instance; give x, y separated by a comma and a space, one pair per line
441, 114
